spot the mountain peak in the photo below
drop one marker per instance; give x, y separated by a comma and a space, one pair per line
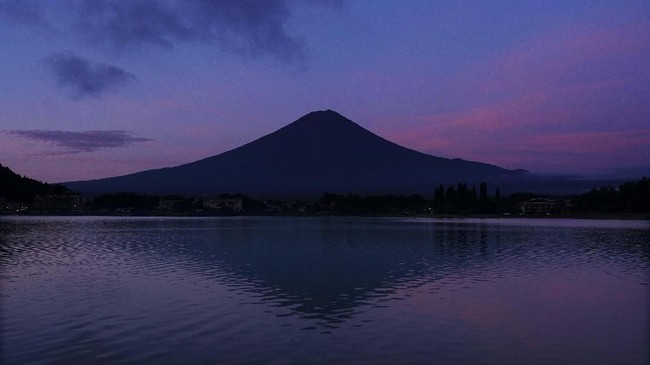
321, 125
324, 113
323, 117
322, 128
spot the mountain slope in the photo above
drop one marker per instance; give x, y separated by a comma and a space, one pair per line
322, 151
16, 188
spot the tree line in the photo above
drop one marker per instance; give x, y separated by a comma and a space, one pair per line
464, 199
453, 199
456, 199
630, 197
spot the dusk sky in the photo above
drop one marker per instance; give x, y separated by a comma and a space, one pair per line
92, 89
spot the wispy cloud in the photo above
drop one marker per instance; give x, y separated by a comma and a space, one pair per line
77, 142
84, 78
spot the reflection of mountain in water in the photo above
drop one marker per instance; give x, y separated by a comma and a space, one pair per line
328, 269
325, 268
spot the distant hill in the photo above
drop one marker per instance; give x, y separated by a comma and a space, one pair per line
320, 152
16, 188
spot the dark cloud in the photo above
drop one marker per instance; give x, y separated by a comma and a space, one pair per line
77, 142
85, 78
23, 12
130, 23
246, 27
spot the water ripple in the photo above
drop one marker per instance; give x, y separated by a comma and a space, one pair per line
150, 290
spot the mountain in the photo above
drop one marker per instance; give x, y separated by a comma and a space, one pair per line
16, 188
320, 152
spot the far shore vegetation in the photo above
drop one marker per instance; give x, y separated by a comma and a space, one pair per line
22, 195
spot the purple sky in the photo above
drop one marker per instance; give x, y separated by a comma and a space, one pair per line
93, 89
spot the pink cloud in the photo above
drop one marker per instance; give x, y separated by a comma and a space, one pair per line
548, 60
572, 95
591, 142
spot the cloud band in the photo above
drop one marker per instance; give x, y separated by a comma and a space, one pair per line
77, 142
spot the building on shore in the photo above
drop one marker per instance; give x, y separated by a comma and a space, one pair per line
545, 207
169, 203
59, 203
235, 205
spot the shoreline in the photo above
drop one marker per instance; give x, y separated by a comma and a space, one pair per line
577, 215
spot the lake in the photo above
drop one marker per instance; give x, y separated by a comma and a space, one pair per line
261, 290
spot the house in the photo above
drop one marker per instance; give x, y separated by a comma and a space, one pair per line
227, 204
542, 206
67, 202
16, 207
169, 203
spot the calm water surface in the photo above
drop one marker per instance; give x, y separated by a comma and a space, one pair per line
323, 291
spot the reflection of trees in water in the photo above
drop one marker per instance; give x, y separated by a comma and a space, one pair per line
6, 229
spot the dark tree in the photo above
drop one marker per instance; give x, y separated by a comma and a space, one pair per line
483, 193
451, 204
497, 199
439, 199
